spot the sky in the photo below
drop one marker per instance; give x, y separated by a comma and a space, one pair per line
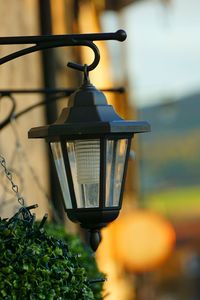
162, 51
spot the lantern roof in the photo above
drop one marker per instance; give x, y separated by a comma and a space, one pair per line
88, 113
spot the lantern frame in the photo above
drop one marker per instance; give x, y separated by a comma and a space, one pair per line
99, 216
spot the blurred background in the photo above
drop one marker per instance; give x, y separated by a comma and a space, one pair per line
152, 252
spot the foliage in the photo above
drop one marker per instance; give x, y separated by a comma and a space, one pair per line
34, 265
85, 256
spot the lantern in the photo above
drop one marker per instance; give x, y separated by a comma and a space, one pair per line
90, 145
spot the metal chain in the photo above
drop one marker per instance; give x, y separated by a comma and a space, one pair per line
9, 176
22, 154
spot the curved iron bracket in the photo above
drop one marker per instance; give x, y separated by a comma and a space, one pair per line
53, 41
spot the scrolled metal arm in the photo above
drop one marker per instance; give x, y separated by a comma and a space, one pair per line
53, 41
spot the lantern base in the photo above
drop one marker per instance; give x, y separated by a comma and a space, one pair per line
93, 218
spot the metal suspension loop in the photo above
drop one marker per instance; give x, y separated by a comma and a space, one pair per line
86, 74
95, 62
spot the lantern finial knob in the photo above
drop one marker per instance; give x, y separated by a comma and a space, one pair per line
95, 238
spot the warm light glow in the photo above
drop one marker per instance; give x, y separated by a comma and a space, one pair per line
142, 240
88, 161
84, 159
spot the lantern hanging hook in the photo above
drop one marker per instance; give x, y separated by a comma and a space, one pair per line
86, 68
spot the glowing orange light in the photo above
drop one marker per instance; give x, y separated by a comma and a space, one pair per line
142, 240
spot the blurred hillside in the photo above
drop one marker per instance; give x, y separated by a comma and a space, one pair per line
171, 152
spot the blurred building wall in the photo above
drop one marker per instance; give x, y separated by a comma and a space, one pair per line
21, 18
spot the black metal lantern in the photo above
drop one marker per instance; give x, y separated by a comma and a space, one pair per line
90, 144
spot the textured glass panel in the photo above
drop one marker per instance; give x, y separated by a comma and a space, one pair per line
60, 168
84, 158
115, 160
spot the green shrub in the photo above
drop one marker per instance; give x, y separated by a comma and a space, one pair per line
84, 253
35, 265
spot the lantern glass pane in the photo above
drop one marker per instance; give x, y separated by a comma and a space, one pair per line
60, 168
84, 159
115, 162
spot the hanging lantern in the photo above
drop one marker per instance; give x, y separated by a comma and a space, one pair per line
90, 144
